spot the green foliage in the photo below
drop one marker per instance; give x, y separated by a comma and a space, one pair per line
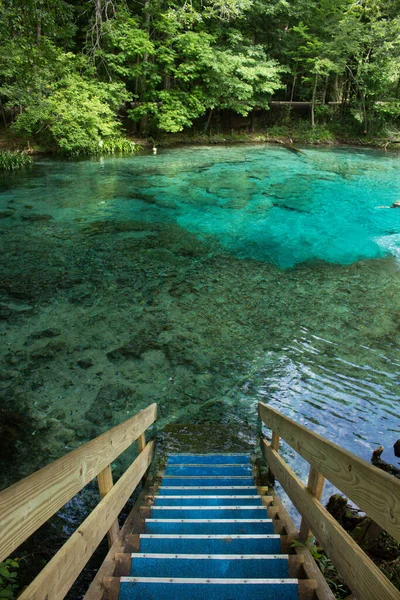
207, 76
279, 131
389, 108
173, 112
320, 134
8, 576
301, 131
13, 160
76, 116
327, 568
70, 72
124, 46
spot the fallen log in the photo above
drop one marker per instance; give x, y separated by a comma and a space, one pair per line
290, 146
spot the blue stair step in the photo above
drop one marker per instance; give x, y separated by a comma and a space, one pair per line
244, 490
198, 589
203, 512
206, 481
208, 470
210, 544
206, 500
217, 566
203, 459
206, 526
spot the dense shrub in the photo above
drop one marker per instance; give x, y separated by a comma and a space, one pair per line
76, 117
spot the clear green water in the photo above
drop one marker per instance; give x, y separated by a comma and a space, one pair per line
205, 279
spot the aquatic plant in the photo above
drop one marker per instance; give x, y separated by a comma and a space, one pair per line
13, 160
118, 145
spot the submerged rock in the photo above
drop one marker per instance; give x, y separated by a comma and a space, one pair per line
5, 312
15, 307
45, 333
48, 352
135, 347
85, 363
146, 338
110, 399
35, 218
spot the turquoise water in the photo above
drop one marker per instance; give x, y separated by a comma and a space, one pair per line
261, 203
206, 279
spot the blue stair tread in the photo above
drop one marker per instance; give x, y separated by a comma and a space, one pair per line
167, 590
205, 491
179, 526
225, 459
210, 566
206, 481
207, 544
208, 470
199, 512
161, 500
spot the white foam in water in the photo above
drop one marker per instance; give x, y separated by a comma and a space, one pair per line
390, 243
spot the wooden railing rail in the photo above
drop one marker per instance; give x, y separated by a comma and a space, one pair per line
375, 492
26, 505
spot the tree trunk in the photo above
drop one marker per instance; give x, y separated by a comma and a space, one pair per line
313, 101
397, 92
344, 95
324, 91
3, 113
293, 85
364, 110
335, 93
167, 82
143, 119
208, 119
38, 32
98, 22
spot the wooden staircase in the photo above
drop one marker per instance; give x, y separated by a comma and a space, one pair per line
208, 535
206, 528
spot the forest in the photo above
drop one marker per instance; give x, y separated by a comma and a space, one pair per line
79, 77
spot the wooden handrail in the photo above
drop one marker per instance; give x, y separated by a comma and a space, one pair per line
59, 574
363, 483
375, 492
26, 505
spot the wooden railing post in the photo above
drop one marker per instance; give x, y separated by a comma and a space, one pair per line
315, 485
274, 446
142, 442
141, 447
105, 481
275, 441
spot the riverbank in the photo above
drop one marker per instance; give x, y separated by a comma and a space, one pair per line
300, 133
317, 136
